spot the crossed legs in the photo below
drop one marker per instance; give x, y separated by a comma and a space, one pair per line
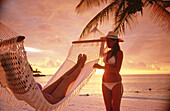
58, 89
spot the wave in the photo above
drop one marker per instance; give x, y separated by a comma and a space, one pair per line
146, 98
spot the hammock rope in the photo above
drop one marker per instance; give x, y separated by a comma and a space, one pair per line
18, 87
6, 33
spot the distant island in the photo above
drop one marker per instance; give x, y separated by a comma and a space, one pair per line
36, 72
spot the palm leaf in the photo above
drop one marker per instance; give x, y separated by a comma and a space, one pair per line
122, 4
161, 15
100, 17
124, 14
123, 19
166, 4
86, 4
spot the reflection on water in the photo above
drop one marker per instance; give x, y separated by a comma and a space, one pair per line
156, 87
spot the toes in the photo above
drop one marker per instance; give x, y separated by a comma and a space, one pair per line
84, 56
79, 57
83, 60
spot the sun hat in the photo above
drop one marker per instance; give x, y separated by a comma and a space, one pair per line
112, 35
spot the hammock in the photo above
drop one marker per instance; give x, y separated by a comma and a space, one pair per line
17, 78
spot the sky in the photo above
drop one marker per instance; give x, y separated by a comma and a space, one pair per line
50, 26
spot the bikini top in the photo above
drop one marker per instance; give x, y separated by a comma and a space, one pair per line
110, 61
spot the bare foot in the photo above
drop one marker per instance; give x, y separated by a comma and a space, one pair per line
79, 58
83, 60
84, 57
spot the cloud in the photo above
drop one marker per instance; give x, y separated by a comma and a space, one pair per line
136, 47
54, 44
48, 63
29, 49
141, 66
45, 27
51, 26
167, 61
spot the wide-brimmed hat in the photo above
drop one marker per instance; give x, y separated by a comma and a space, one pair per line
112, 35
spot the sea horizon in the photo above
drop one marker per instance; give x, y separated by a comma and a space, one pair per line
136, 86
120, 74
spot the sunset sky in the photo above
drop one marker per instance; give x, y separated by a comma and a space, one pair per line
50, 26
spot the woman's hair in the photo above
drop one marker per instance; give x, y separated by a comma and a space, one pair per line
116, 48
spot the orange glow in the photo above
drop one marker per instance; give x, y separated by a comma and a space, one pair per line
126, 71
50, 34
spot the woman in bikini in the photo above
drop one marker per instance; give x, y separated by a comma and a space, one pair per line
111, 82
56, 91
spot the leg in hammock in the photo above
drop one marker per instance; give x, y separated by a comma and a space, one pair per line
60, 90
50, 89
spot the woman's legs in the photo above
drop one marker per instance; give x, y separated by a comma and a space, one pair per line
107, 96
60, 91
117, 93
50, 89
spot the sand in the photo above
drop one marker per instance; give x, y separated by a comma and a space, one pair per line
90, 103
95, 103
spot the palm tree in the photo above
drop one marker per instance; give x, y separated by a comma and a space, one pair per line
125, 12
34, 71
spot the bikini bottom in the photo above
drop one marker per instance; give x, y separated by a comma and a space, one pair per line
111, 85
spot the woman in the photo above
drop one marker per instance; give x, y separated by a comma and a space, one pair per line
111, 82
56, 91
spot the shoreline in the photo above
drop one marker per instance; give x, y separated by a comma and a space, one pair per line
133, 97
96, 103
147, 99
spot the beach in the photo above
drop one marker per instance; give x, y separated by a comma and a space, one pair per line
82, 103
136, 97
92, 103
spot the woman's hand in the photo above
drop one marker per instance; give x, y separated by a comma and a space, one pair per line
97, 66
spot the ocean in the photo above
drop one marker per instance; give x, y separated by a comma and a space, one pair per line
148, 86
151, 88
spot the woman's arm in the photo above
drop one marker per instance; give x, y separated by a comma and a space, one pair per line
112, 68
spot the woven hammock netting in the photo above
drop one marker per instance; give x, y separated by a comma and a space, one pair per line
18, 87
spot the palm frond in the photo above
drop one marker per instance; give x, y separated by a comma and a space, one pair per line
161, 15
120, 7
122, 20
87, 4
129, 20
166, 4
125, 16
100, 17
